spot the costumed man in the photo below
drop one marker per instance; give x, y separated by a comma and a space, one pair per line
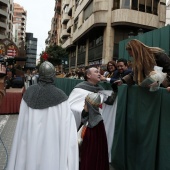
77, 97
46, 134
93, 150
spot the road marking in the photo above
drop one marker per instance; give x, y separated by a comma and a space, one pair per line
3, 122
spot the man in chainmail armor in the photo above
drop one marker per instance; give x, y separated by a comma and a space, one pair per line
94, 137
46, 134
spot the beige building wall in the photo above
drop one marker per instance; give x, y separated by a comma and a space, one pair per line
6, 17
91, 30
19, 22
168, 13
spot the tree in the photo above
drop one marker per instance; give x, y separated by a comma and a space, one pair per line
56, 54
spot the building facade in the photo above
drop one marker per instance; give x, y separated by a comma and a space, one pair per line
90, 30
19, 24
168, 13
6, 18
31, 51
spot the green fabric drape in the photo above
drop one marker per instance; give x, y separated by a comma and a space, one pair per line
142, 135
67, 84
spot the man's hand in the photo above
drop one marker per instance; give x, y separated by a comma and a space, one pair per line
118, 82
155, 84
168, 89
102, 78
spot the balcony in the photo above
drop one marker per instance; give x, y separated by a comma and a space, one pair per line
58, 5
69, 24
97, 18
66, 2
65, 19
134, 18
70, 8
4, 13
64, 34
3, 25
2, 36
5, 2
23, 17
68, 43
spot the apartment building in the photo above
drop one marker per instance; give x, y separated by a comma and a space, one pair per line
19, 24
53, 34
6, 18
31, 51
168, 13
90, 30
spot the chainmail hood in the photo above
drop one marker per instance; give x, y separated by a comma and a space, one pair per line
44, 94
88, 86
93, 117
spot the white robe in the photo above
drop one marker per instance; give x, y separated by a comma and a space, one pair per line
77, 99
45, 139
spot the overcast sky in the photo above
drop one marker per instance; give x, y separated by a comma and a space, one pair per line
39, 16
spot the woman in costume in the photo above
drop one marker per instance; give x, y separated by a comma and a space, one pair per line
144, 60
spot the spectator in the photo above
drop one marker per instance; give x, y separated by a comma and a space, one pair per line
111, 68
122, 70
28, 78
34, 77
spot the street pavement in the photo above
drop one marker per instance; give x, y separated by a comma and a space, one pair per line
7, 129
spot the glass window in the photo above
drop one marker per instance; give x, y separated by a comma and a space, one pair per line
91, 44
75, 24
99, 40
149, 6
66, 9
88, 11
142, 5
155, 7
116, 4
135, 4
126, 4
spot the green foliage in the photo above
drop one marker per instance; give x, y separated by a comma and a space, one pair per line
56, 54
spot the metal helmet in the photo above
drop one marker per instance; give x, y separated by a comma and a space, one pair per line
94, 99
46, 70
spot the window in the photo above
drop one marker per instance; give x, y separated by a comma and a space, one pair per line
135, 4
126, 4
142, 5
91, 44
75, 24
99, 40
155, 7
66, 9
88, 11
149, 6
116, 4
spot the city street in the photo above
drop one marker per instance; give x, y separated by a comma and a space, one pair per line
7, 129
